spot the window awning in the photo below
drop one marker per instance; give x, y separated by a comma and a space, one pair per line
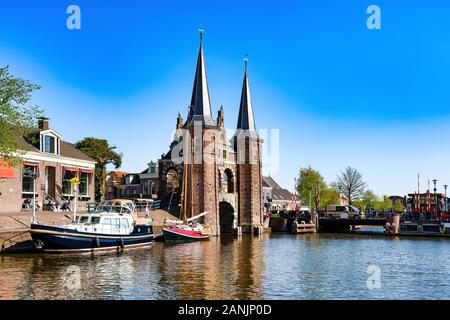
6, 171
31, 164
72, 169
87, 171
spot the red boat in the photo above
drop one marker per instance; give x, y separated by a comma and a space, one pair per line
190, 230
183, 233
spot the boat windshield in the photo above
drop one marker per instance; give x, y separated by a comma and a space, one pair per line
83, 219
114, 209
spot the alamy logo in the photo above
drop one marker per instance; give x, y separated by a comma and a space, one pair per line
73, 21
374, 279
72, 278
374, 20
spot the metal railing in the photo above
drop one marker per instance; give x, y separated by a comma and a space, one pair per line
11, 241
156, 204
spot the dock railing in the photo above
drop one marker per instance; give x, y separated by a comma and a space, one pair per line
14, 240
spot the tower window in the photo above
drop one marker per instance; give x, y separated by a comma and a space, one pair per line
224, 154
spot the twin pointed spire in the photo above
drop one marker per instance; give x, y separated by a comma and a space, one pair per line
200, 107
246, 120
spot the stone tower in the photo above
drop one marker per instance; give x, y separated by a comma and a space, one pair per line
247, 146
200, 140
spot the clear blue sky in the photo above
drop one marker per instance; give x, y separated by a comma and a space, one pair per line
341, 94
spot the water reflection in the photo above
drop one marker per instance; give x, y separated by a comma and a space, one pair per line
310, 266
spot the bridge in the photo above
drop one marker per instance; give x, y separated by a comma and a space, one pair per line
283, 222
336, 224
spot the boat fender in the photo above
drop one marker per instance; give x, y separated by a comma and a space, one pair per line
97, 242
122, 244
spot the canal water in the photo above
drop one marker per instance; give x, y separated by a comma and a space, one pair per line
271, 266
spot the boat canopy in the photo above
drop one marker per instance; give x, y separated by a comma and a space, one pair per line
117, 206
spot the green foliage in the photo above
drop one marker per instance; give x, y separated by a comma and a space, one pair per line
384, 205
309, 180
368, 200
330, 196
104, 154
398, 206
308, 183
17, 117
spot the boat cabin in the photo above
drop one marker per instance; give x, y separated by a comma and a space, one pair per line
105, 223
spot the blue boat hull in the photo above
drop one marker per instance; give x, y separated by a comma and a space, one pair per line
60, 240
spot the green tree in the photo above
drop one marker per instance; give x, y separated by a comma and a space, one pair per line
309, 180
368, 200
104, 154
308, 183
384, 204
17, 117
398, 206
330, 196
351, 184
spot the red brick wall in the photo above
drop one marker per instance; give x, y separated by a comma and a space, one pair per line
11, 198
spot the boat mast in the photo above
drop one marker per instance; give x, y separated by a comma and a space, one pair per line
184, 182
191, 179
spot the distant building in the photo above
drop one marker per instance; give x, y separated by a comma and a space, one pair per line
113, 183
56, 162
133, 185
277, 198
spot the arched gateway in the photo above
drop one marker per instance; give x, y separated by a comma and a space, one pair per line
227, 217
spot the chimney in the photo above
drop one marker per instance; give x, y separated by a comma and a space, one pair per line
43, 123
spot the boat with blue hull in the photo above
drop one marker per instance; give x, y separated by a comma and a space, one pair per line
111, 227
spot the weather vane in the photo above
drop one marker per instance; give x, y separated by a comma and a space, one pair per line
246, 61
201, 30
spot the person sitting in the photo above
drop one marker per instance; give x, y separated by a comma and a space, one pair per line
26, 205
66, 206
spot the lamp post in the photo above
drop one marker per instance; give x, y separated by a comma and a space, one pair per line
317, 197
435, 195
445, 197
75, 182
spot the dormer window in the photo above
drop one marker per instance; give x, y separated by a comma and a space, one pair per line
49, 144
129, 179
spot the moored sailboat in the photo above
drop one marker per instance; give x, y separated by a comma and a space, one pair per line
188, 229
191, 230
